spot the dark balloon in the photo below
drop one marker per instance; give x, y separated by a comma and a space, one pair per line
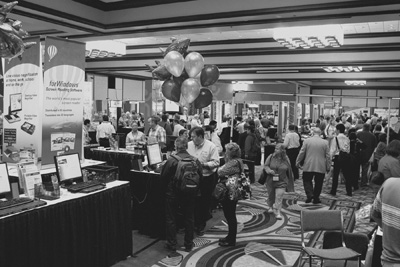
161, 73
179, 80
204, 99
209, 75
171, 90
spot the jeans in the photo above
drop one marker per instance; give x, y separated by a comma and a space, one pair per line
292, 154
172, 205
229, 208
204, 203
311, 190
364, 171
337, 167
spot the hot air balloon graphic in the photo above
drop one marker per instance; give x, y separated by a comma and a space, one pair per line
52, 51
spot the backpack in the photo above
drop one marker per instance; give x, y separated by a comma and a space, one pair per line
187, 178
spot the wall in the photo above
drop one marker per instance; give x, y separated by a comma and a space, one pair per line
125, 89
358, 102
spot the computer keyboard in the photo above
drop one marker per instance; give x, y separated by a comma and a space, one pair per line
14, 202
80, 186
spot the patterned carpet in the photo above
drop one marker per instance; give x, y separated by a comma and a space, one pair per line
262, 240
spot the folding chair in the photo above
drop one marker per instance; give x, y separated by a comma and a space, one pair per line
325, 220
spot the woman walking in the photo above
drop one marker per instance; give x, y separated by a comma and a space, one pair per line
279, 179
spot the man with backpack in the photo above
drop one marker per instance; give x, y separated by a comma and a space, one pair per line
182, 174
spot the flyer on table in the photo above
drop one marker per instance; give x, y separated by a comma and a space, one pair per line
64, 78
23, 95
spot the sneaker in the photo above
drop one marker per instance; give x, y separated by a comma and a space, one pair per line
278, 216
200, 232
270, 210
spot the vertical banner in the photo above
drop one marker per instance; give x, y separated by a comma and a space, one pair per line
23, 95
64, 83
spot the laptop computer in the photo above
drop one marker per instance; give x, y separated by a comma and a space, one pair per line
14, 204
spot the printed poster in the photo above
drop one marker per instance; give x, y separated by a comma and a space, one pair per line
23, 94
64, 83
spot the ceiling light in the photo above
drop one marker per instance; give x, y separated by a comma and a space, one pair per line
354, 82
310, 36
242, 82
106, 48
340, 68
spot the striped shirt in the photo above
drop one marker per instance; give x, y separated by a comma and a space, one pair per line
386, 212
207, 154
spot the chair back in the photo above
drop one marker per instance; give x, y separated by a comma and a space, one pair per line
317, 220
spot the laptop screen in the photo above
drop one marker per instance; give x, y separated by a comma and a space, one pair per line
154, 154
4, 182
68, 167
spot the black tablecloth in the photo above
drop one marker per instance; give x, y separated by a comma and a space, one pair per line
93, 230
148, 208
124, 161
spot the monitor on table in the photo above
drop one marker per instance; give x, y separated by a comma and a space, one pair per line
4, 181
154, 154
68, 167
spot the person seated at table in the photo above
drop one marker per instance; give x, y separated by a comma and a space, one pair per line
175, 199
86, 127
122, 121
104, 132
135, 136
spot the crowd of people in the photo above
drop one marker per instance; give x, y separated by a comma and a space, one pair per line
346, 148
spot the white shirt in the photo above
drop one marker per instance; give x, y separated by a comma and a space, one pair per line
344, 144
104, 130
177, 129
195, 123
134, 138
216, 141
207, 154
292, 140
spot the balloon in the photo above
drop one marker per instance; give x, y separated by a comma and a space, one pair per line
204, 99
179, 80
190, 89
174, 63
194, 63
171, 90
178, 45
209, 75
161, 73
183, 102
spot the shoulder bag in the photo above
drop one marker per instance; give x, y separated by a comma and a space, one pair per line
344, 157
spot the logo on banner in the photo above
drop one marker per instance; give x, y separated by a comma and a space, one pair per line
52, 51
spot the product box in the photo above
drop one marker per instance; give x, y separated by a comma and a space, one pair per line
103, 173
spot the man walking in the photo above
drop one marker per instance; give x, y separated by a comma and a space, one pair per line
317, 161
292, 145
207, 153
175, 199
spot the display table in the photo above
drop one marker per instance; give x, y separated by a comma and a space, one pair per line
148, 207
76, 230
124, 160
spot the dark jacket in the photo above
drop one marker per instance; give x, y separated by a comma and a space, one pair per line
369, 141
252, 145
168, 173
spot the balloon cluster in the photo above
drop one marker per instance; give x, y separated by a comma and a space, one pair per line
11, 34
185, 76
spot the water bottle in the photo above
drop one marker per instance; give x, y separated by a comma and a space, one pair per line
56, 186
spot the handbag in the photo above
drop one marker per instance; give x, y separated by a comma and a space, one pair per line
263, 178
344, 157
238, 186
220, 192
